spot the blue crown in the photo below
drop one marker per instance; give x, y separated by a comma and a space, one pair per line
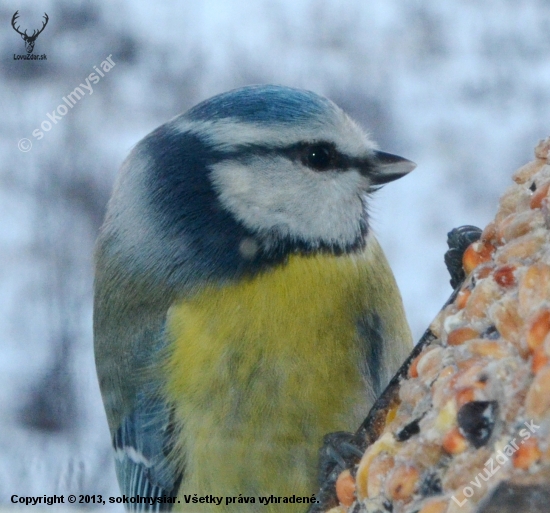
263, 104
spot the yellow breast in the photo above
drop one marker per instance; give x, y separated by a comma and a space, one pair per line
262, 369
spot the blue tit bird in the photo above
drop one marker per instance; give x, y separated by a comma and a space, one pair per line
243, 307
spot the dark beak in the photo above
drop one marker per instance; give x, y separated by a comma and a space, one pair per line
389, 167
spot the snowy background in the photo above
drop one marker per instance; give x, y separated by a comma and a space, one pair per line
461, 87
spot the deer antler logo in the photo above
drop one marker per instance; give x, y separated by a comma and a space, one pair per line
29, 40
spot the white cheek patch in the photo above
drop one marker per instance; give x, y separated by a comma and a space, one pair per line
273, 193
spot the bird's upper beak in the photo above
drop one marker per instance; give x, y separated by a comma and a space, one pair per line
389, 167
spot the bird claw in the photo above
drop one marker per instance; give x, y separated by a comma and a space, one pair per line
458, 239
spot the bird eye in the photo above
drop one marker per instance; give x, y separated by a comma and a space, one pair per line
319, 156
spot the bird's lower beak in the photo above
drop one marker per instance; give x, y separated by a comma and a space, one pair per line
389, 167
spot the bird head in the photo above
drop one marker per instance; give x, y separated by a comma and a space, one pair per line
241, 181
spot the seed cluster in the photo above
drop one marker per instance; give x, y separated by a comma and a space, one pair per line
478, 394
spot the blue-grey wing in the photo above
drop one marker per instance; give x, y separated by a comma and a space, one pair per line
142, 444
372, 337
386, 343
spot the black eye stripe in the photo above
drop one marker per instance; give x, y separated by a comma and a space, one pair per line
302, 152
318, 155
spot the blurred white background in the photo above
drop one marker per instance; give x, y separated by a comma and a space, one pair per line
461, 87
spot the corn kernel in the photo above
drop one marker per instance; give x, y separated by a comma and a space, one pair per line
540, 359
428, 366
434, 506
462, 298
386, 443
537, 402
454, 442
379, 469
524, 173
538, 329
533, 288
464, 396
477, 253
527, 454
401, 483
345, 488
539, 195
461, 335
504, 275
508, 321
485, 293
519, 224
523, 247
492, 348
